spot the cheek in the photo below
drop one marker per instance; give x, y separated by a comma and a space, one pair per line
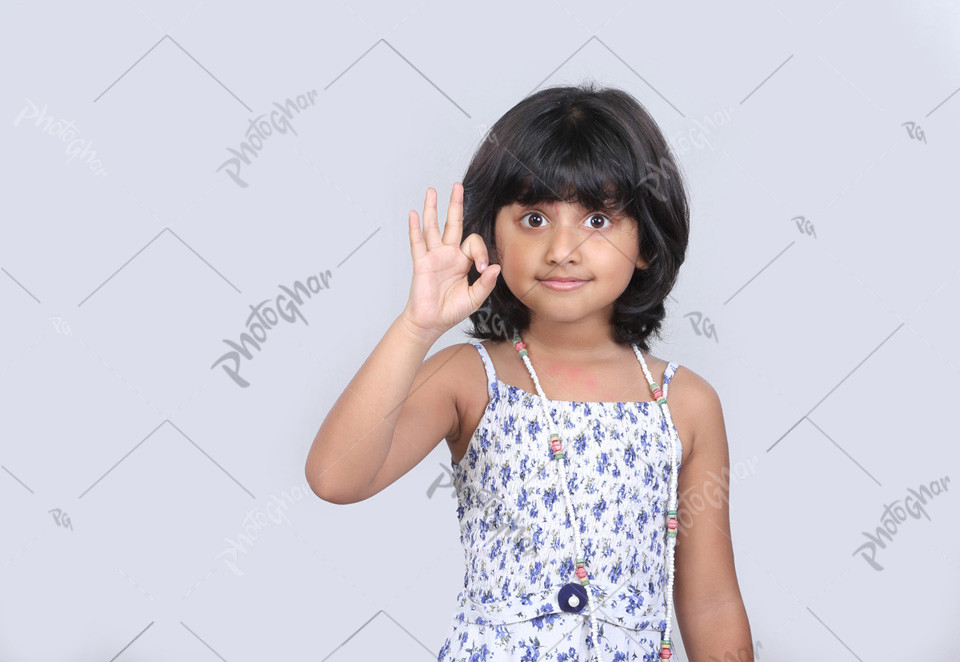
513, 269
510, 267
508, 257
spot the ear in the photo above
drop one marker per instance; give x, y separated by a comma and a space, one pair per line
641, 263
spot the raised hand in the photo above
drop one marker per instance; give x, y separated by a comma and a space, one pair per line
440, 296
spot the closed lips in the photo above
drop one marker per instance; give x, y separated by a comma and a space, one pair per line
562, 285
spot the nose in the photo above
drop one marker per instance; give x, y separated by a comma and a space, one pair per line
564, 244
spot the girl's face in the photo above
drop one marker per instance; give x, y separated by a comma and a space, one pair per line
563, 241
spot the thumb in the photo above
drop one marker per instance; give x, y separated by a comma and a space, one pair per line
483, 286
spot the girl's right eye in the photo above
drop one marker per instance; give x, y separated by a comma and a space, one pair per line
535, 215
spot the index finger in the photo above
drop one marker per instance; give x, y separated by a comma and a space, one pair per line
453, 228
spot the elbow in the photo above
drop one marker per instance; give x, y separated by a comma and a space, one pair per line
335, 498
312, 474
323, 490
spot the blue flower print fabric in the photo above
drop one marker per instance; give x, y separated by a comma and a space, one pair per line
518, 539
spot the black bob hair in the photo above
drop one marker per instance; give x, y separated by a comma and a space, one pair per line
598, 147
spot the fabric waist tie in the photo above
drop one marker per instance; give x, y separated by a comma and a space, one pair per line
608, 605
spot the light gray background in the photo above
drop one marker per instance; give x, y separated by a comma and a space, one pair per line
819, 297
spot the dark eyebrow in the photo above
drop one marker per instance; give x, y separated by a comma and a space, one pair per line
544, 205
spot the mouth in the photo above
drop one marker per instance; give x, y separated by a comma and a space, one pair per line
562, 284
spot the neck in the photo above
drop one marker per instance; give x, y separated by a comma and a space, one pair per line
582, 340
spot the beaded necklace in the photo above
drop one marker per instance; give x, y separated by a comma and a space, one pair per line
573, 596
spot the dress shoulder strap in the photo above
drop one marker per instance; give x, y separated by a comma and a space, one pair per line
488, 366
667, 374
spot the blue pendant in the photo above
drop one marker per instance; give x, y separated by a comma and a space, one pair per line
572, 597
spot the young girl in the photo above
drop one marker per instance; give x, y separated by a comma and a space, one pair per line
581, 532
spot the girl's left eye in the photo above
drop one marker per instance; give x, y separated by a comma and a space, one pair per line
602, 218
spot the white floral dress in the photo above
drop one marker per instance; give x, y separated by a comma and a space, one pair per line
517, 542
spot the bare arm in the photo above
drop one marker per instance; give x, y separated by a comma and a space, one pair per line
398, 406
710, 611
355, 437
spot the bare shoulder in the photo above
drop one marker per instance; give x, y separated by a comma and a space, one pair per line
697, 401
471, 388
466, 378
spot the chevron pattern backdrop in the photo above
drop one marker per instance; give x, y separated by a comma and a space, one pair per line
204, 235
